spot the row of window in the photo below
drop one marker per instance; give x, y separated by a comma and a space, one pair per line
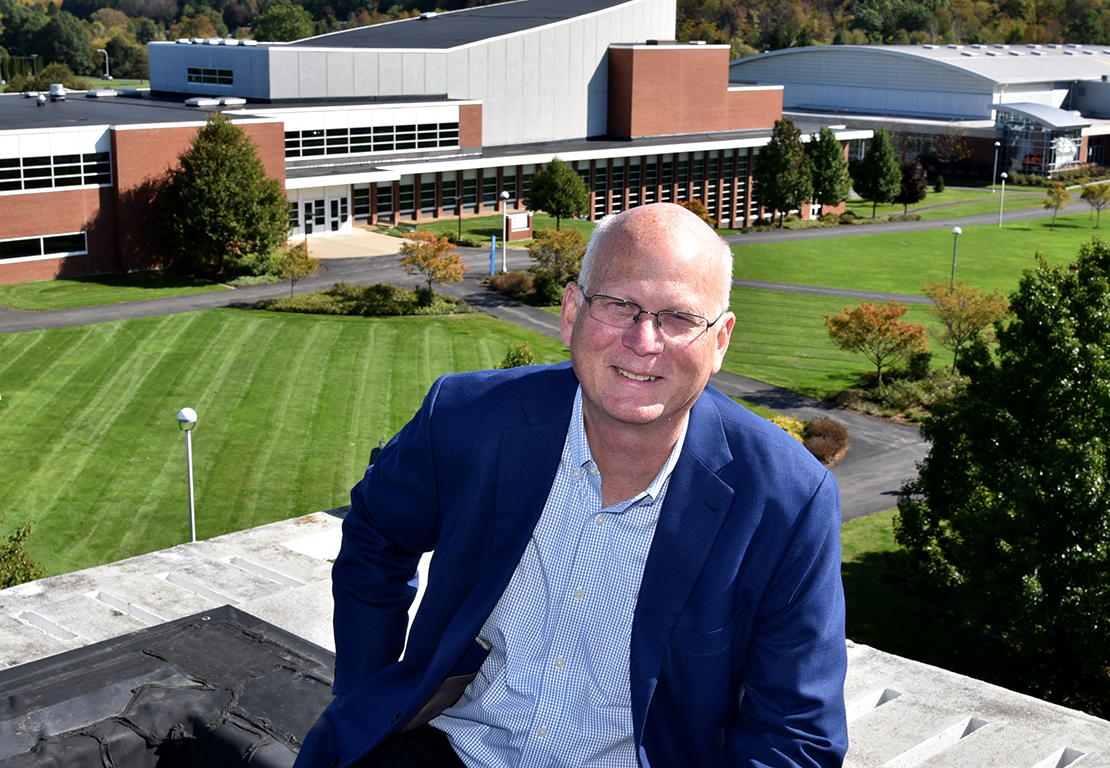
382, 138
49, 245
210, 76
55, 171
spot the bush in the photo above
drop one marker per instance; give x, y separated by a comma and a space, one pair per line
452, 236
832, 219
518, 356
939, 185
823, 449
829, 428
515, 284
367, 301
796, 428
847, 218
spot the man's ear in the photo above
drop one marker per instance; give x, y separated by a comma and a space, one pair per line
569, 312
723, 335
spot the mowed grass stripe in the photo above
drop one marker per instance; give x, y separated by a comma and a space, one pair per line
279, 407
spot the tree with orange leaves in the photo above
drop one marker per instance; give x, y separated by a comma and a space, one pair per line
433, 257
875, 331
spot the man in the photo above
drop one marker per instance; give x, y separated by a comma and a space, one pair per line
630, 569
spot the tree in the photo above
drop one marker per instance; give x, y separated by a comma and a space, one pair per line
831, 182
558, 259
64, 41
1005, 528
1056, 198
1098, 197
431, 256
914, 187
783, 181
964, 313
297, 263
518, 356
877, 176
51, 73
218, 209
16, 566
558, 189
876, 332
284, 24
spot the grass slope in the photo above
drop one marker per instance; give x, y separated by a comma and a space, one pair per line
102, 289
289, 407
988, 257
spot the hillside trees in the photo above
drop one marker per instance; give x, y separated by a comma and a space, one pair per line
784, 180
219, 210
1005, 528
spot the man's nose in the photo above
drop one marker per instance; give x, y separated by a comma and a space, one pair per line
645, 336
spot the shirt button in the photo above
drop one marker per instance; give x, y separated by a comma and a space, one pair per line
579, 594
577, 473
541, 732
559, 663
601, 519
593, 471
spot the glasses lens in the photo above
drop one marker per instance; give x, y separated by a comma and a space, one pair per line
615, 312
680, 326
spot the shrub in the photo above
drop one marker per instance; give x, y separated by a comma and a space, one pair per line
939, 185
847, 218
518, 356
794, 427
452, 236
367, 301
830, 429
831, 219
466, 241
515, 284
823, 448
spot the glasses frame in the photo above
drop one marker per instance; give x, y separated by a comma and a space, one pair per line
640, 312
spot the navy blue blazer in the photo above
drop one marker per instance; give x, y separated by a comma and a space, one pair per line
737, 654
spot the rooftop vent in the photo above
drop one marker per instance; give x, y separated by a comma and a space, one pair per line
202, 101
428, 15
697, 42
1015, 53
1037, 53
977, 46
1032, 45
248, 41
991, 53
930, 47
100, 93
1069, 53
1001, 46
967, 53
955, 47
184, 40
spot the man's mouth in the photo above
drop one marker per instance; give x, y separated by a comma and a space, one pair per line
634, 376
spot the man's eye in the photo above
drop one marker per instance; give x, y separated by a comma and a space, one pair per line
682, 321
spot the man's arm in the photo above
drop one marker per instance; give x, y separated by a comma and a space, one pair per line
792, 710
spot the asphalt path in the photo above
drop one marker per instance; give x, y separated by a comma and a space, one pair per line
881, 458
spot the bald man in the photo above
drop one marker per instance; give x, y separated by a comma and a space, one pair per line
630, 569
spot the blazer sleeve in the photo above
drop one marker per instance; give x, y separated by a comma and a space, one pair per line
394, 518
792, 706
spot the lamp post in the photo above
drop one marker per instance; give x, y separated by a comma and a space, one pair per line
458, 210
107, 74
1002, 199
186, 420
956, 232
994, 173
504, 231
34, 65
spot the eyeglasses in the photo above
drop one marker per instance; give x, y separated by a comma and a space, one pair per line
674, 326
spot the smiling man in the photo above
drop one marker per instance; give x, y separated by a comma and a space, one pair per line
630, 569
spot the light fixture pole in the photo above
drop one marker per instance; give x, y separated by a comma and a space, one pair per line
458, 210
186, 420
994, 173
1002, 199
956, 232
504, 231
107, 74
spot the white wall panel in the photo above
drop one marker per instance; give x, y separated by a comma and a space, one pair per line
341, 74
412, 74
312, 72
435, 72
390, 73
366, 74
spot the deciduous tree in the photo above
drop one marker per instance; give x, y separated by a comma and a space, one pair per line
1098, 197
1006, 526
559, 190
831, 182
914, 187
297, 263
16, 566
433, 257
965, 313
284, 24
877, 176
1055, 198
783, 181
874, 331
218, 209
558, 259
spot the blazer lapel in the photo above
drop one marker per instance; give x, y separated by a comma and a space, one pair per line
695, 506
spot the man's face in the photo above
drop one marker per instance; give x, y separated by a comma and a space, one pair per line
658, 259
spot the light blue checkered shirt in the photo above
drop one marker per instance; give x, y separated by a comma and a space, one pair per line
554, 690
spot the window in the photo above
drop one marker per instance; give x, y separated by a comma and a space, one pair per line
210, 76
47, 172
361, 196
365, 140
44, 247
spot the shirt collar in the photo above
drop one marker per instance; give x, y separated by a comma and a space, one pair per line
581, 458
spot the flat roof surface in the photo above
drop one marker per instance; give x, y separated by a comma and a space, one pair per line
457, 28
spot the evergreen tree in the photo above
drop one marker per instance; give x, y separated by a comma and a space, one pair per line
783, 181
1005, 528
914, 187
877, 176
218, 209
559, 190
64, 41
831, 182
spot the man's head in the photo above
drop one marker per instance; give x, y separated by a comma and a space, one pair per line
647, 373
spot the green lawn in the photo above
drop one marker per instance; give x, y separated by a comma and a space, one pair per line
879, 613
102, 289
957, 202
484, 227
988, 257
289, 407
